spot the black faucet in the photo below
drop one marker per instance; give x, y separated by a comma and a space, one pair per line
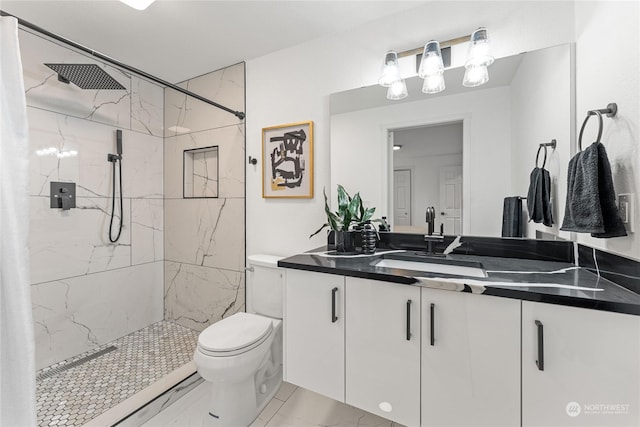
430, 238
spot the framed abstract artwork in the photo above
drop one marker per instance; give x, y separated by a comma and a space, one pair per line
287, 161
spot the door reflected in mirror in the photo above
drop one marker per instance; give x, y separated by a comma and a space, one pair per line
427, 172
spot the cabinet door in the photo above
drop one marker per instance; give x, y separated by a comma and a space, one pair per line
383, 349
314, 332
579, 367
470, 359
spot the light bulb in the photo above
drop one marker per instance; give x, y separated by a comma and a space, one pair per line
475, 76
397, 90
478, 54
390, 70
431, 62
433, 83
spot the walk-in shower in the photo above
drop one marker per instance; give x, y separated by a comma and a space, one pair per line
104, 337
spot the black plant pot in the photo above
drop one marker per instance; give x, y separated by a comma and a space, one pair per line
345, 241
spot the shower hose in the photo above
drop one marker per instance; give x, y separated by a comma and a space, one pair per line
113, 202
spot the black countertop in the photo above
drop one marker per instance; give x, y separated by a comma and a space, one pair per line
531, 280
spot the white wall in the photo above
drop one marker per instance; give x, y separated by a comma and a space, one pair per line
486, 155
294, 85
607, 64
541, 110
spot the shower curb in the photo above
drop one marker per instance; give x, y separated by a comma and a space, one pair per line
119, 414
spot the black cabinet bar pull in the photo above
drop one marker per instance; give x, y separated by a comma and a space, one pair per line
334, 318
408, 320
432, 316
540, 361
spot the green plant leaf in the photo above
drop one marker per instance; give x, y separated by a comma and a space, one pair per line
332, 219
319, 229
355, 207
343, 199
368, 213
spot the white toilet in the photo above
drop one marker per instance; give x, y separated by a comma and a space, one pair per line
241, 356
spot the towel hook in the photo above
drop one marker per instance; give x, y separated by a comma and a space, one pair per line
610, 111
551, 144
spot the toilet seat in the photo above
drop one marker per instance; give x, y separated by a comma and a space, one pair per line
235, 335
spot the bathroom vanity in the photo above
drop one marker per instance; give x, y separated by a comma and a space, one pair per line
533, 342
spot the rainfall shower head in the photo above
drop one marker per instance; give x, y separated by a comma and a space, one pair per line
85, 76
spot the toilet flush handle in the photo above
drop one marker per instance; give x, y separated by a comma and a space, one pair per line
251, 269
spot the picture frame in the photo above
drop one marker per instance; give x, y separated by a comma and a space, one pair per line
287, 161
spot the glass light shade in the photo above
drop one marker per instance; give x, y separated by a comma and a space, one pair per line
397, 90
475, 76
390, 70
479, 50
433, 83
431, 62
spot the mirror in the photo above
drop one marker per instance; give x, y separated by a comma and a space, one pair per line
491, 134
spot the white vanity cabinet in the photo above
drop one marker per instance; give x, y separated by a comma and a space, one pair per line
314, 332
579, 367
383, 349
470, 359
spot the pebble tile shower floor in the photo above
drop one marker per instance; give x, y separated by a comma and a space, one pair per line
74, 396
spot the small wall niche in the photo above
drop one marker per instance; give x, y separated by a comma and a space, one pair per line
200, 177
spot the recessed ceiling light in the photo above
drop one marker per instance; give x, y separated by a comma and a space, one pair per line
138, 4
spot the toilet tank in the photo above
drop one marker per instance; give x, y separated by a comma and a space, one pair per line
265, 283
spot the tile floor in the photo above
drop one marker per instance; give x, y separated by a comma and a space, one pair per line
73, 397
291, 407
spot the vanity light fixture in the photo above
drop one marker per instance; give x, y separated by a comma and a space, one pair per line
397, 147
478, 59
432, 66
138, 4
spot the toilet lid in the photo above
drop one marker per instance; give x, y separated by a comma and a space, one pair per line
235, 332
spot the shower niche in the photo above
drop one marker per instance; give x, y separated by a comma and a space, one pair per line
200, 173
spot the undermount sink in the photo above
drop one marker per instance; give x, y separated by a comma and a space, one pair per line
432, 265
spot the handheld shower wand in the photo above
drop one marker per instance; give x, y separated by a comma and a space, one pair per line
116, 158
119, 142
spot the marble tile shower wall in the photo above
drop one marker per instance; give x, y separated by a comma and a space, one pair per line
205, 237
87, 291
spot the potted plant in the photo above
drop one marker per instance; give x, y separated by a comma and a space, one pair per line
350, 213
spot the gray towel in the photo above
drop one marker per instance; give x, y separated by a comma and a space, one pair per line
539, 197
591, 201
512, 224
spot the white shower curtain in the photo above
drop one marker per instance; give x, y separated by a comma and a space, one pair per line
17, 361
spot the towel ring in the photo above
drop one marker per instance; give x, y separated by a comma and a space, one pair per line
610, 111
544, 162
551, 144
586, 119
